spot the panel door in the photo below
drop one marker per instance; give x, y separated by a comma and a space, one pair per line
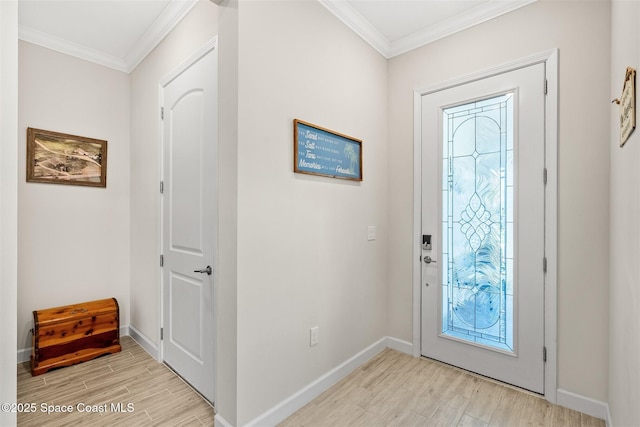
483, 205
189, 218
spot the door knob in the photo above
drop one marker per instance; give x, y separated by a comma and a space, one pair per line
207, 270
428, 260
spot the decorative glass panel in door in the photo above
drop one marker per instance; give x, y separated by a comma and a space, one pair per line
477, 222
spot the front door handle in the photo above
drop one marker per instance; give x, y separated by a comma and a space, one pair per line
207, 270
428, 260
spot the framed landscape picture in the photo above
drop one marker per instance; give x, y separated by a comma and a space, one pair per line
59, 158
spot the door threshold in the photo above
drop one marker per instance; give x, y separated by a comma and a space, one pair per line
484, 377
207, 401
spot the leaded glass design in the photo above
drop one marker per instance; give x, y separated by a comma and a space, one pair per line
477, 224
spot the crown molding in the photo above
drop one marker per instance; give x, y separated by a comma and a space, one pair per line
178, 9
477, 15
161, 27
359, 25
70, 48
157, 31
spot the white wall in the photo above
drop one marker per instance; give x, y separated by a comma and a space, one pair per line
303, 255
73, 241
198, 27
581, 31
226, 290
275, 283
8, 203
624, 292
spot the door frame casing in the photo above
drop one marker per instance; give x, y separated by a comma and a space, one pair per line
211, 45
550, 59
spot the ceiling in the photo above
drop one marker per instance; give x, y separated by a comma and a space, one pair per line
115, 33
121, 33
394, 27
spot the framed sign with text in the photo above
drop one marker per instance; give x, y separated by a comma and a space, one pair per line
320, 151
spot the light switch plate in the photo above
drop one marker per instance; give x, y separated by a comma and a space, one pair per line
371, 232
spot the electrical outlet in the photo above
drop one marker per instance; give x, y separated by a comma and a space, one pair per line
313, 336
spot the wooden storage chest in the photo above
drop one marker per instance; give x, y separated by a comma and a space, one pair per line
71, 334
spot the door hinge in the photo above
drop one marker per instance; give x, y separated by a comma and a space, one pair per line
546, 86
161, 187
161, 260
544, 354
544, 176
162, 113
544, 264
161, 334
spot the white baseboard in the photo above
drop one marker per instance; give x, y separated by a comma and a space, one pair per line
608, 419
221, 422
584, 404
24, 355
144, 342
400, 345
296, 401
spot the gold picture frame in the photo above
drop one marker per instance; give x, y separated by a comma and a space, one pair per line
60, 158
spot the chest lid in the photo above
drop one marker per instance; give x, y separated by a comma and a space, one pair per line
66, 313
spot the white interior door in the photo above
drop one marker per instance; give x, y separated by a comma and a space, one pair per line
189, 218
483, 204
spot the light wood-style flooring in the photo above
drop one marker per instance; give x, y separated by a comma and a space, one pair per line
152, 393
395, 389
392, 389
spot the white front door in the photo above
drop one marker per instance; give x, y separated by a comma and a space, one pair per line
483, 206
189, 219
